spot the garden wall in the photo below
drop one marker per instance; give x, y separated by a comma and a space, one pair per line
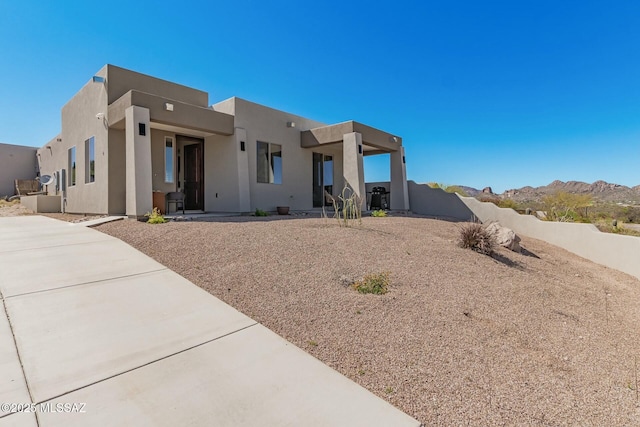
437, 203
16, 162
612, 250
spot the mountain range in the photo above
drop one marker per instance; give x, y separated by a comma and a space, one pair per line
599, 190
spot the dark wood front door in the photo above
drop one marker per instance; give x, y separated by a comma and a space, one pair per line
194, 176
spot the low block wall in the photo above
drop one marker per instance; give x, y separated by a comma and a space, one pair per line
437, 203
41, 203
16, 162
612, 250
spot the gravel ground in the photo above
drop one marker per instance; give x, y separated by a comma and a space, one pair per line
540, 338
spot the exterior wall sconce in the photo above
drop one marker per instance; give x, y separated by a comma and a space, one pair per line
359, 148
242, 146
394, 139
291, 124
59, 139
142, 129
168, 106
404, 160
98, 79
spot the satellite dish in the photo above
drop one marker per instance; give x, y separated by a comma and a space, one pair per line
47, 179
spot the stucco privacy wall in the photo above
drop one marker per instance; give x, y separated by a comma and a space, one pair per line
612, 250
435, 202
16, 162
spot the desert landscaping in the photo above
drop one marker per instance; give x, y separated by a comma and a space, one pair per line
541, 337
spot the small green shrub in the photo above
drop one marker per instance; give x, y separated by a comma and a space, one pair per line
260, 212
375, 283
379, 213
476, 237
508, 203
155, 217
617, 229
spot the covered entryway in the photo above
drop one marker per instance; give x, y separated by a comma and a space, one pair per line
138, 114
357, 141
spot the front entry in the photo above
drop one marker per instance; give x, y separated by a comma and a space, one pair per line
193, 172
322, 178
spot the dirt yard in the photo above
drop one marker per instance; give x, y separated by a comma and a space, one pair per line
540, 338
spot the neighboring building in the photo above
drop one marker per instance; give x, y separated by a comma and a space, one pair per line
16, 162
126, 135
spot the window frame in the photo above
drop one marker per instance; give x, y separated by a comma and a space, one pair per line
72, 166
90, 160
173, 160
273, 174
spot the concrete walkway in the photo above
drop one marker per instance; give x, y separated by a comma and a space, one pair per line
88, 321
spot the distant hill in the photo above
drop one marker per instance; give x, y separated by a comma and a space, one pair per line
599, 190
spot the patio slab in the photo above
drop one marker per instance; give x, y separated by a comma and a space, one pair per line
32, 232
58, 266
71, 337
19, 419
13, 389
251, 377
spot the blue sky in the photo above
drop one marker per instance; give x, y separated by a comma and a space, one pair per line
495, 93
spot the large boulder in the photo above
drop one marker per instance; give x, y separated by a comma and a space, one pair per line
505, 236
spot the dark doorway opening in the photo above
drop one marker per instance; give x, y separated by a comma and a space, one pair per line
193, 149
322, 179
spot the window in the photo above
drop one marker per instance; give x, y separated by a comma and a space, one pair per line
72, 166
89, 160
168, 160
269, 163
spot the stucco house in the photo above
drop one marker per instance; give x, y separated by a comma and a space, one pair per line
126, 136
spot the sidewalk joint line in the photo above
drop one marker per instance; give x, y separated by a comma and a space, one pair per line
148, 363
88, 283
15, 344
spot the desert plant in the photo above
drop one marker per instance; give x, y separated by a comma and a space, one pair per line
379, 213
349, 209
616, 228
260, 212
375, 283
155, 217
475, 236
448, 188
565, 207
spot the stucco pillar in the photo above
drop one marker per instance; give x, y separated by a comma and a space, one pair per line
399, 188
138, 161
353, 164
244, 195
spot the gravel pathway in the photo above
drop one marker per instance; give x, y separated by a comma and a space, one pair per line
541, 338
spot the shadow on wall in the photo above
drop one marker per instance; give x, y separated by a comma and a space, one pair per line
612, 250
437, 203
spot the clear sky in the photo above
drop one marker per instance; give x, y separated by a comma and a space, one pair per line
484, 93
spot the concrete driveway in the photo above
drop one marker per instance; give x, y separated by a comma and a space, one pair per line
94, 333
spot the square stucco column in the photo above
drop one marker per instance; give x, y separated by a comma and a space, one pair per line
399, 187
244, 195
138, 162
353, 163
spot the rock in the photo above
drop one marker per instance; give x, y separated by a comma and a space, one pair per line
505, 236
487, 190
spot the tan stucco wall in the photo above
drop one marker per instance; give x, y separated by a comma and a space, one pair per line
79, 123
269, 125
16, 162
437, 203
157, 161
612, 250
121, 80
117, 172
